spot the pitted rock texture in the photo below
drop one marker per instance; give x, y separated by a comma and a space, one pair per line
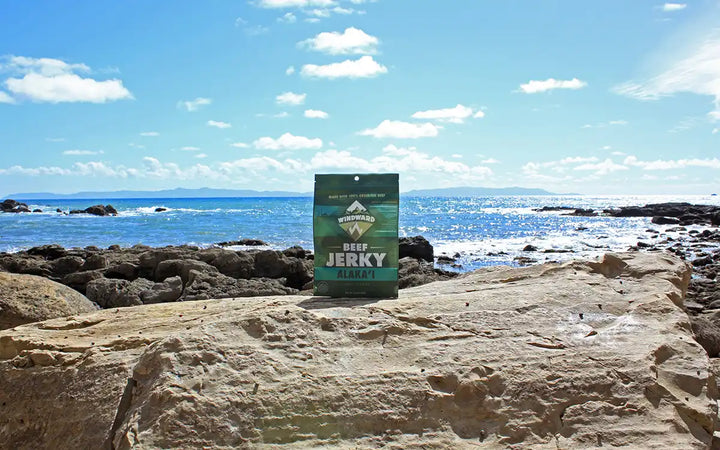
28, 298
554, 356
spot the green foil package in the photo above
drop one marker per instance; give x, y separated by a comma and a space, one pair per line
355, 227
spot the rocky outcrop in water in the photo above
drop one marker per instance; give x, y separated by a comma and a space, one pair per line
97, 210
12, 206
577, 355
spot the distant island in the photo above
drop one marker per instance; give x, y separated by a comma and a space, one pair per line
234, 193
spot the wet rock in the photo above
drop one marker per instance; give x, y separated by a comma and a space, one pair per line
245, 242
161, 209
37, 210
415, 247
444, 259
12, 206
417, 272
661, 220
97, 210
530, 248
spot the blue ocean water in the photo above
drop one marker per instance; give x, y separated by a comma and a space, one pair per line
482, 230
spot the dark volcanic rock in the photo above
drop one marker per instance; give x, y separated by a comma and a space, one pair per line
228, 262
554, 208
50, 251
66, 264
662, 220
686, 213
416, 272
125, 271
167, 291
246, 242
204, 285
181, 268
97, 210
415, 247
707, 334
95, 262
12, 206
580, 212
529, 248
160, 209
113, 293
296, 252
80, 280
274, 264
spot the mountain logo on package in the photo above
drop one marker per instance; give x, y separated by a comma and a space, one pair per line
356, 221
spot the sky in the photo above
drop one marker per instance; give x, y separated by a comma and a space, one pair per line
611, 97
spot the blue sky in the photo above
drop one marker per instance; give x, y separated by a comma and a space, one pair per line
609, 97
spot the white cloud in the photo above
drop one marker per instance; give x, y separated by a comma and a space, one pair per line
134, 145
281, 115
150, 133
365, 67
612, 123
290, 70
277, 4
716, 130
352, 41
618, 153
490, 161
287, 142
714, 115
322, 13
316, 114
479, 115
670, 7
290, 98
536, 86
287, 18
201, 155
601, 168
660, 164
5, 98
239, 145
401, 130
190, 148
81, 152
218, 124
55, 81
458, 114
194, 105
696, 71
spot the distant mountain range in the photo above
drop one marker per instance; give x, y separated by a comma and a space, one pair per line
219, 193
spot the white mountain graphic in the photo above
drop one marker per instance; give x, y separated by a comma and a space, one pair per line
355, 207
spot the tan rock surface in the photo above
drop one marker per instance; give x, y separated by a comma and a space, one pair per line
554, 356
29, 298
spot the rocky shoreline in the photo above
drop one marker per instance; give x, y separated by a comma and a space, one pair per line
119, 277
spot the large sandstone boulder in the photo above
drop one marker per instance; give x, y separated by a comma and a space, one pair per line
576, 355
29, 298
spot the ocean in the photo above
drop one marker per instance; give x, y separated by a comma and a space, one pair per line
481, 231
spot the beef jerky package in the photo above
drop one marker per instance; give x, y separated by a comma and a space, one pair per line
355, 227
